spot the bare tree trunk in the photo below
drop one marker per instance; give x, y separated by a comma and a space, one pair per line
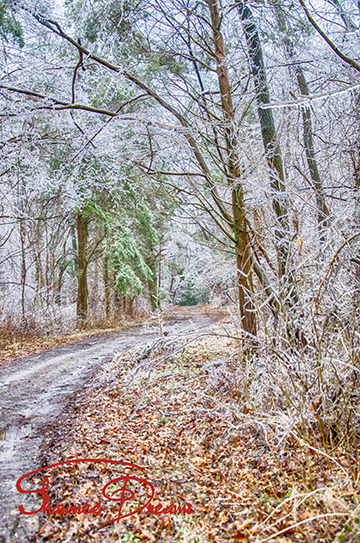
39, 276
58, 285
23, 269
239, 226
244, 265
82, 233
269, 136
74, 248
355, 155
106, 285
323, 212
58, 282
130, 303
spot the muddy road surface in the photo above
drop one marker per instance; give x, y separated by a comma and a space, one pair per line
35, 390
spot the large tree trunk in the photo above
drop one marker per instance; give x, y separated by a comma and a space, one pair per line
239, 225
244, 265
82, 233
269, 136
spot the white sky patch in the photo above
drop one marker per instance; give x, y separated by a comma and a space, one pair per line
59, 8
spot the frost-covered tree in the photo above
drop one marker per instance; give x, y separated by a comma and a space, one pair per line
200, 98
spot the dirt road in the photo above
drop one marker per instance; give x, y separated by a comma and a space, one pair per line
34, 392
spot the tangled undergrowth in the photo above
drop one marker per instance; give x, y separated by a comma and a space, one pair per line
185, 410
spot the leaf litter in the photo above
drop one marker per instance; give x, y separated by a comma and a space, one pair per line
176, 408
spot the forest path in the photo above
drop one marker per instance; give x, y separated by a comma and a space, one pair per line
35, 389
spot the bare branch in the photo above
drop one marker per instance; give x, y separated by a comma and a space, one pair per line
336, 50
